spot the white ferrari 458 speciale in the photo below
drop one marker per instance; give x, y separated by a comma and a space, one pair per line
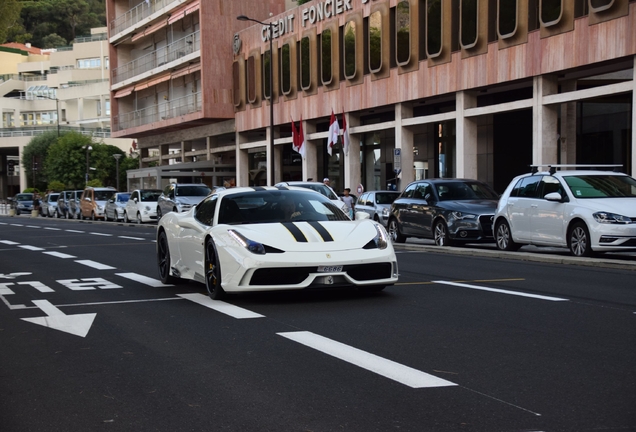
273, 238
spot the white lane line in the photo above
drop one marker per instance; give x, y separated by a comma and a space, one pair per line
95, 265
371, 362
38, 286
60, 255
155, 283
131, 238
219, 306
500, 291
75, 231
17, 225
101, 234
53, 229
9, 242
3, 223
31, 248
32, 226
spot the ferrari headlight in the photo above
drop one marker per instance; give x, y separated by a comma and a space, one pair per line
380, 241
459, 215
252, 246
611, 218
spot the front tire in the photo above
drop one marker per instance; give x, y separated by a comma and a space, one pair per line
441, 236
579, 240
163, 259
394, 232
503, 237
213, 272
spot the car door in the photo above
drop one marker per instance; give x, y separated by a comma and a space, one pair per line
131, 205
165, 203
548, 222
520, 206
401, 208
363, 204
420, 213
192, 234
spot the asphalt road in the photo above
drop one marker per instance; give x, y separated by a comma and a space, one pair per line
469, 340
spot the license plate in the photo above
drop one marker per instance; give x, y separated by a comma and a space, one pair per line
329, 269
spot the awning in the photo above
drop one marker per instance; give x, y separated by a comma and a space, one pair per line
186, 71
124, 92
193, 7
149, 30
178, 13
158, 80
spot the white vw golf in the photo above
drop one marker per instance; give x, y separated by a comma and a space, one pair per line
586, 211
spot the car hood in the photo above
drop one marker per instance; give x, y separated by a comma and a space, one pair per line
192, 200
471, 206
305, 236
621, 206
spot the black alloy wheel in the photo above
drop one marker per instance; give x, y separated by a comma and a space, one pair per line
579, 240
440, 233
163, 259
503, 237
394, 232
213, 272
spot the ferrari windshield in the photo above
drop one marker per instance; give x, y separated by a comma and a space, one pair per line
271, 206
601, 186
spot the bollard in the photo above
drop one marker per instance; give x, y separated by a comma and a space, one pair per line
3, 209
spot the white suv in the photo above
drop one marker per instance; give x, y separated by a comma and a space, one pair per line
585, 211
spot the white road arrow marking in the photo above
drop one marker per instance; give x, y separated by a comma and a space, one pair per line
38, 286
78, 325
13, 275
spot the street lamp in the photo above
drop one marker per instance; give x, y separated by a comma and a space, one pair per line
117, 156
270, 147
88, 148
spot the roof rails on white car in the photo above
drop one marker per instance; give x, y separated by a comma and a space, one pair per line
553, 167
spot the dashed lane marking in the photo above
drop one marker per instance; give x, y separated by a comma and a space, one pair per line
9, 242
31, 248
95, 265
75, 231
101, 234
60, 255
500, 291
219, 306
371, 362
131, 238
143, 279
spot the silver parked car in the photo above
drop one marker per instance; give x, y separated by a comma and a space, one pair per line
377, 204
180, 197
116, 206
48, 206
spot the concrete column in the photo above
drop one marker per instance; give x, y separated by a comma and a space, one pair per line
242, 162
80, 108
352, 175
633, 143
310, 161
544, 122
23, 179
278, 163
466, 148
404, 141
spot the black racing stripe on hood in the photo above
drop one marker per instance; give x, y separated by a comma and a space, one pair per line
322, 231
295, 231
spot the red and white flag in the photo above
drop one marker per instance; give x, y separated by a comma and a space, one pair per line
298, 139
346, 139
334, 131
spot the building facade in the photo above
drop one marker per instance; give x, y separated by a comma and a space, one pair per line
57, 89
429, 88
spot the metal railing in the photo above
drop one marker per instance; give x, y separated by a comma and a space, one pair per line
180, 48
98, 133
92, 38
133, 16
22, 77
166, 110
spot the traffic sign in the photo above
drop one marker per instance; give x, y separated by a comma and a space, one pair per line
397, 160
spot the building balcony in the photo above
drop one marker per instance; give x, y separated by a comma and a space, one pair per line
163, 111
137, 14
170, 53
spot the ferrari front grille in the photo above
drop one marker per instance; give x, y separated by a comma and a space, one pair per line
296, 275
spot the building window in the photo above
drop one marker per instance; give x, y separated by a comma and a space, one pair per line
600, 5
350, 50
433, 27
551, 11
98, 105
266, 90
469, 16
90, 63
325, 52
285, 68
507, 18
251, 79
106, 107
305, 64
7, 120
106, 63
403, 29
375, 42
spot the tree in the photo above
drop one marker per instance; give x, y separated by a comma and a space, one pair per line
9, 17
34, 159
303, 2
56, 186
66, 160
53, 41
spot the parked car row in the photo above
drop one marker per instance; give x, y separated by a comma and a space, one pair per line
586, 211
